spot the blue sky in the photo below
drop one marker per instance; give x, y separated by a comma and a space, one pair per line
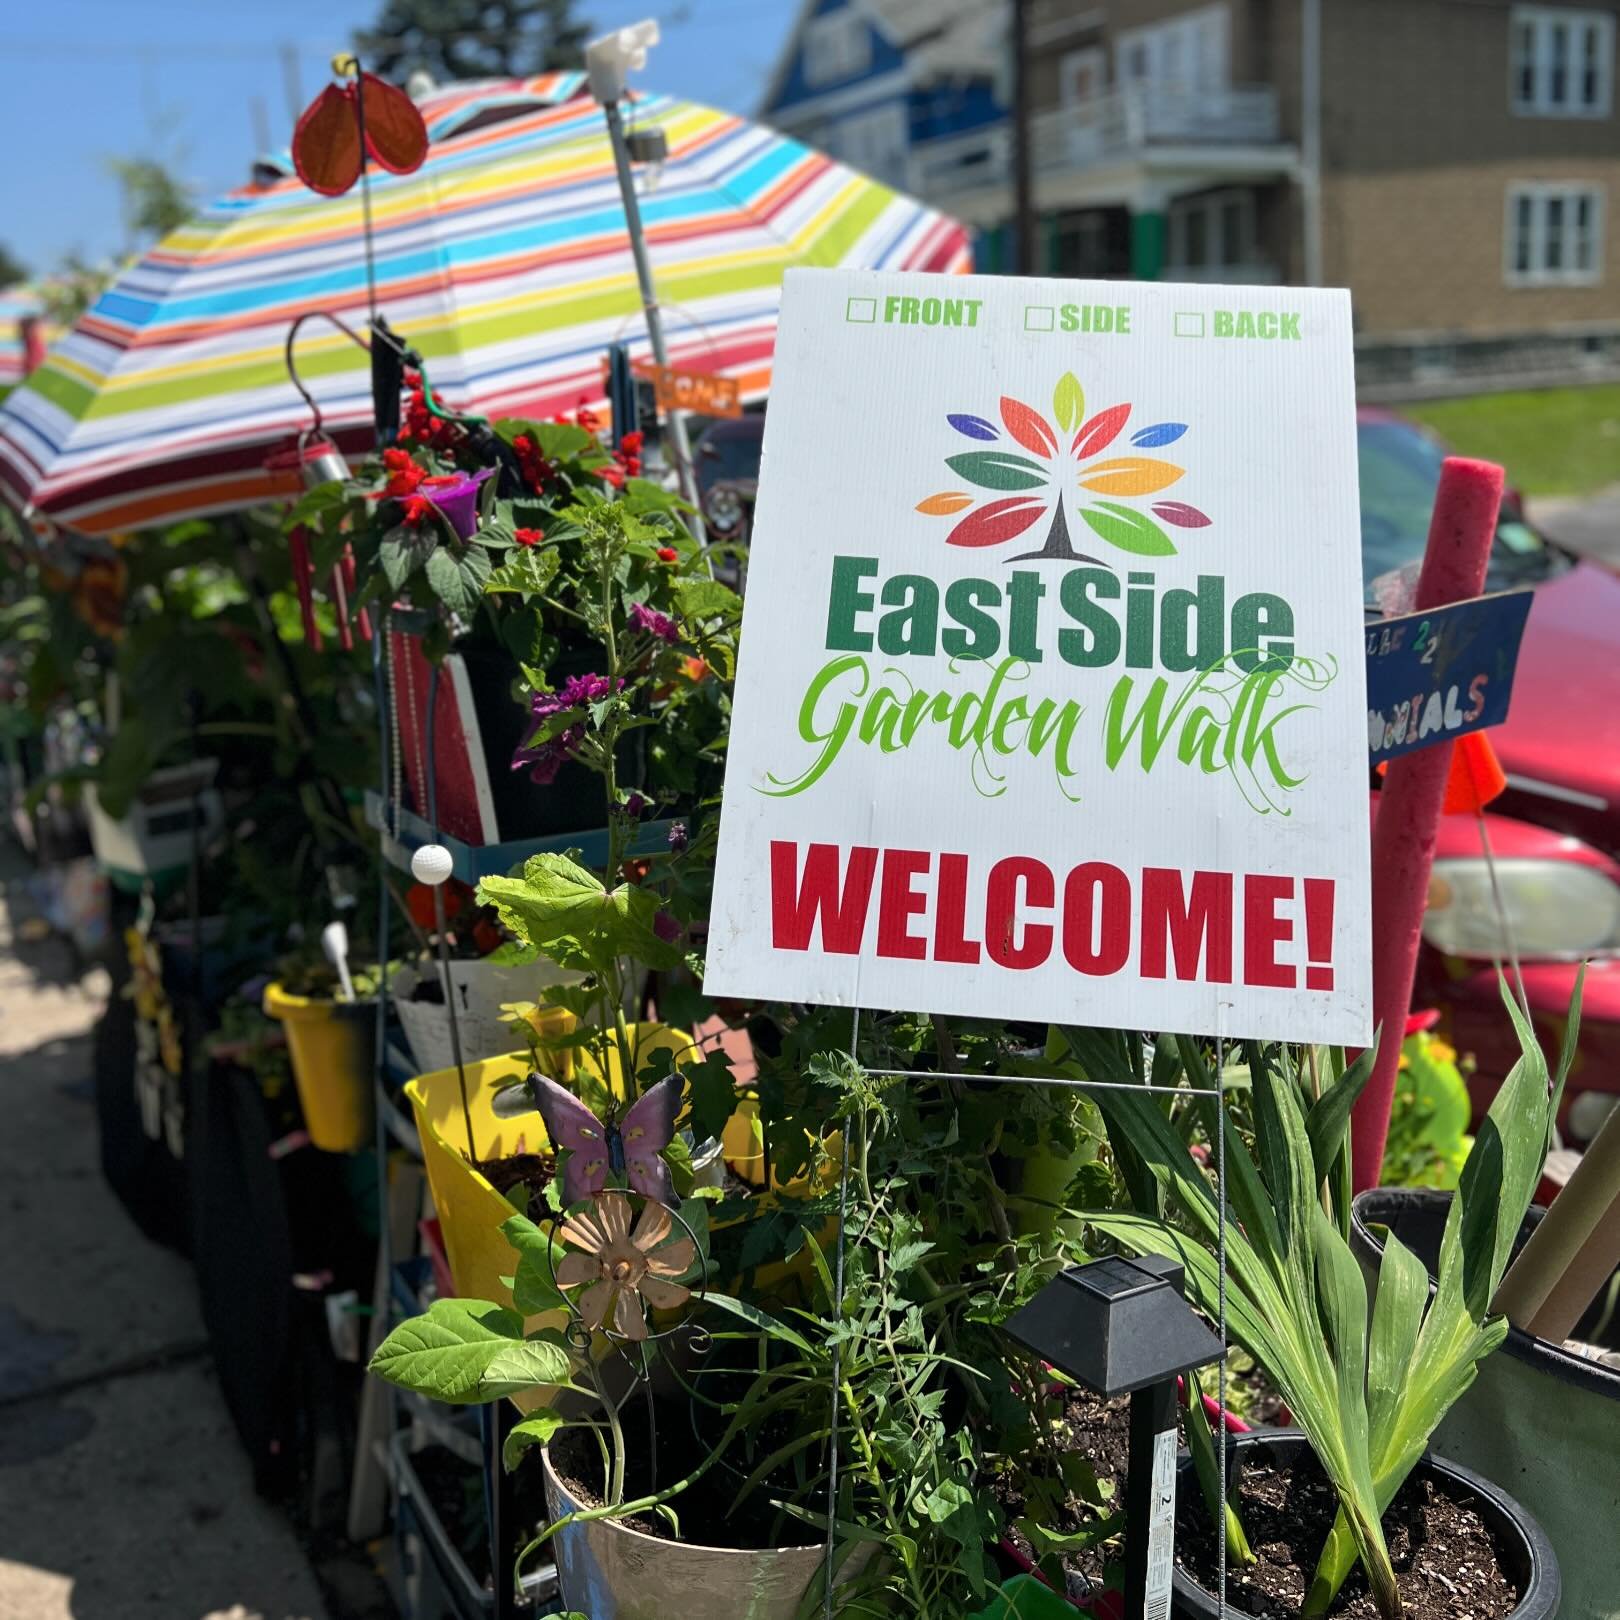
191, 82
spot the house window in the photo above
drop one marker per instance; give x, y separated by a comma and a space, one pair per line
874, 141
1186, 52
1554, 235
1081, 75
1215, 231
1562, 62
837, 46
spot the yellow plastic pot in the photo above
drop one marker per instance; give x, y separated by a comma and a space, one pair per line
470, 1210
332, 1047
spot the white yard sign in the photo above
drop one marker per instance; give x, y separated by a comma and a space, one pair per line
1051, 698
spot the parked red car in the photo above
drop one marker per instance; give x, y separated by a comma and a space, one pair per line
1555, 834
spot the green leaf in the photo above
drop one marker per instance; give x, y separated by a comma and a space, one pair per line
998, 469
706, 599
402, 551
459, 582
1131, 531
535, 1430
539, 1253
467, 1351
1068, 402
1328, 1122
762, 1320
527, 570
554, 897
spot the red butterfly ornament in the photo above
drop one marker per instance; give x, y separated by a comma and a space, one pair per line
327, 147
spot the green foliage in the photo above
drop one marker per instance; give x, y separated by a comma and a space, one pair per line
155, 202
1368, 1398
467, 1351
1428, 1124
473, 39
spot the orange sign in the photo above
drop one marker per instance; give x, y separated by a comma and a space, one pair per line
699, 391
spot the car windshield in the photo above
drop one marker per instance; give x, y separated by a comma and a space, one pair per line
1400, 469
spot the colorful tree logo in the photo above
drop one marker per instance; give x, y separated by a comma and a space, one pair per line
1030, 483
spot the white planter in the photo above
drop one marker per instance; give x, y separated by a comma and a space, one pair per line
156, 835
480, 989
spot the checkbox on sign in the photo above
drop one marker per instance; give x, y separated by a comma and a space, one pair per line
1040, 318
863, 310
1189, 323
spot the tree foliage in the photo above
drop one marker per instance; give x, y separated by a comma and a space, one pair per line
473, 39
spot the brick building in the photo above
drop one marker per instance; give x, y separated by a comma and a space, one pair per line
1452, 161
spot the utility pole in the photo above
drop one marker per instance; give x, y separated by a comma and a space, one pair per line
1310, 115
1023, 199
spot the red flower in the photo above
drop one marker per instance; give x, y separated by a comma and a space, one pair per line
418, 508
667, 554
632, 443
528, 537
611, 475
403, 474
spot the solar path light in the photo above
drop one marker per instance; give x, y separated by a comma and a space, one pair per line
1121, 1327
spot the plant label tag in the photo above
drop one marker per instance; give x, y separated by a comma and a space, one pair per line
1436, 675
1161, 1559
1050, 702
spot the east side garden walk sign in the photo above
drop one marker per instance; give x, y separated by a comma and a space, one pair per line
1051, 702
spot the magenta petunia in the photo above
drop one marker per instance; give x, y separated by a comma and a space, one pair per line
653, 622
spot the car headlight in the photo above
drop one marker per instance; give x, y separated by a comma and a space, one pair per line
1557, 910
724, 508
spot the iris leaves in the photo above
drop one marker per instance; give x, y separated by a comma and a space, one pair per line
1368, 1394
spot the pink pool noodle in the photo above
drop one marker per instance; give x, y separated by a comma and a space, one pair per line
1408, 821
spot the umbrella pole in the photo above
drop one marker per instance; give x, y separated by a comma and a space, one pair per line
649, 302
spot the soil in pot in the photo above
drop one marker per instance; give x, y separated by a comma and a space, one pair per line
1099, 1431
705, 1509
1448, 1564
525, 1173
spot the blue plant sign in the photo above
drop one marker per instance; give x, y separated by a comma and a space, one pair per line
1433, 676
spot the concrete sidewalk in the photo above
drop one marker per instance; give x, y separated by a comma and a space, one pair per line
124, 1494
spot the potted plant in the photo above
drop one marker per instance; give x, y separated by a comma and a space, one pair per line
331, 1043
486, 973
1367, 1395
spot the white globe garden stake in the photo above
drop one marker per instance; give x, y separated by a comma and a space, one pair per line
432, 864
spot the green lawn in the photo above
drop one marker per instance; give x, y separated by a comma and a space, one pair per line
1554, 441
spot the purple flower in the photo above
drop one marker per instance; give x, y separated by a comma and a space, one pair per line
635, 804
654, 623
666, 927
549, 757
679, 837
455, 498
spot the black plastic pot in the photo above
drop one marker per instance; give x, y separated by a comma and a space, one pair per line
1528, 1559
1541, 1420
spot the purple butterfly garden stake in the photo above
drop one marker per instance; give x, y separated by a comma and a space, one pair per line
632, 1148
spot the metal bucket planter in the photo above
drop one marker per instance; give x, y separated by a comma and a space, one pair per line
1542, 1421
331, 1044
1527, 1556
611, 1572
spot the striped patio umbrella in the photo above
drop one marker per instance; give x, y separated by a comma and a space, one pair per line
504, 261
